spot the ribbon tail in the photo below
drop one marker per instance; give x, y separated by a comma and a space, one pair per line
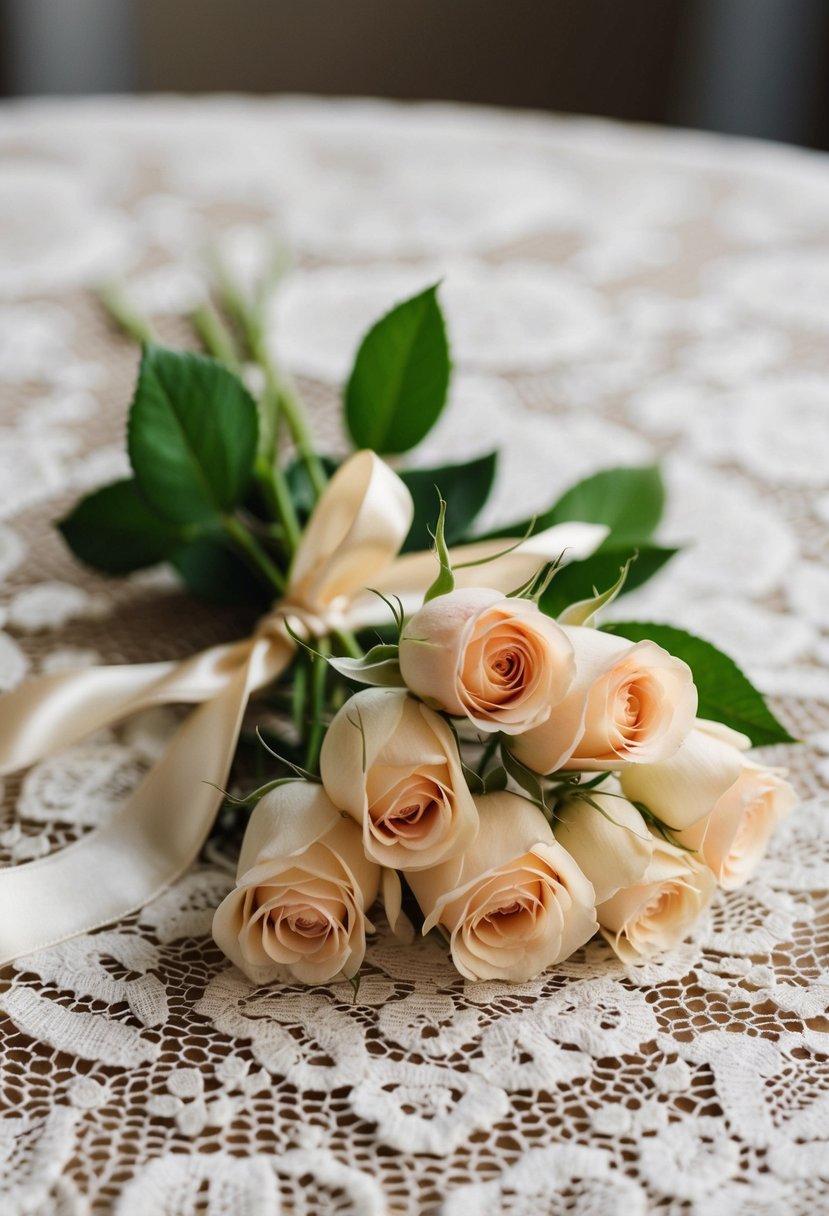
149, 842
47, 714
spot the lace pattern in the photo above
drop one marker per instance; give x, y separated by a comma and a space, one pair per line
614, 296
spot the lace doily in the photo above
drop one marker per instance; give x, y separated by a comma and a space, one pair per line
614, 296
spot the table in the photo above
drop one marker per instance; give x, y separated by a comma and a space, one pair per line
615, 295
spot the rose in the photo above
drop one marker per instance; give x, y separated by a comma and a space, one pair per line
393, 765
657, 912
629, 704
685, 788
606, 836
732, 838
497, 661
517, 904
302, 889
722, 804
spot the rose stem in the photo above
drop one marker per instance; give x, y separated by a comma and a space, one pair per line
284, 395
319, 671
126, 317
253, 553
215, 336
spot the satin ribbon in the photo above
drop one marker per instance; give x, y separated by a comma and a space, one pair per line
350, 543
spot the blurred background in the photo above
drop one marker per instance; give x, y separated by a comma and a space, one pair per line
750, 67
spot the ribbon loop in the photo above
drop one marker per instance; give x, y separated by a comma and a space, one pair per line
355, 532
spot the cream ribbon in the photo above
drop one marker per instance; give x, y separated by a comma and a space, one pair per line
350, 543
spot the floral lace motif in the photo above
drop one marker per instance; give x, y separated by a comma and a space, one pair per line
613, 298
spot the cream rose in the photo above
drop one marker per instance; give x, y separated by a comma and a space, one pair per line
656, 913
733, 837
606, 836
629, 704
303, 886
392, 763
519, 902
498, 661
685, 788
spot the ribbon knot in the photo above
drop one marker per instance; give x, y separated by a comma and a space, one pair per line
350, 544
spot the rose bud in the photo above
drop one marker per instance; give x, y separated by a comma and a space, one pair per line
733, 837
392, 763
303, 886
630, 703
656, 913
517, 904
498, 661
606, 836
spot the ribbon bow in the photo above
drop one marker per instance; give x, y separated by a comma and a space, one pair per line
351, 542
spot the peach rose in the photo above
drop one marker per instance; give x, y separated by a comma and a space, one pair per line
303, 886
606, 836
733, 837
630, 703
519, 902
393, 765
498, 661
685, 788
658, 911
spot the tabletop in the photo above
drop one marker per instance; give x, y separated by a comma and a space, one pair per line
615, 295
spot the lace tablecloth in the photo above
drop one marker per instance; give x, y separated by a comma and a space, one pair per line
614, 296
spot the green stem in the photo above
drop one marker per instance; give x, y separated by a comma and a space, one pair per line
299, 689
294, 412
319, 672
248, 318
268, 473
274, 487
129, 320
270, 410
215, 336
253, 553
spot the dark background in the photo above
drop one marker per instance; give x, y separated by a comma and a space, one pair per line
752, 67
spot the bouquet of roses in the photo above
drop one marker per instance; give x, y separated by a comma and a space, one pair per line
448, 723
600, 801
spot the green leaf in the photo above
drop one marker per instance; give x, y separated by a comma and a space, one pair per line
628, 500
577, 580
725, 693
529, 781
114, 530
400, 379
663, 829
192, 436
215, 573
474, 783
495, 780
379, 668
465, 487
